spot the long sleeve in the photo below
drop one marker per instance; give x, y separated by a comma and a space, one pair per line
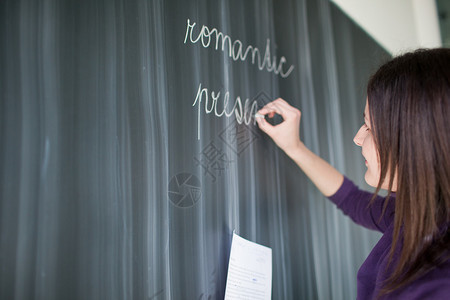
355, 203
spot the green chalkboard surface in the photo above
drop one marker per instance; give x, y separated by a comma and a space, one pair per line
129, 152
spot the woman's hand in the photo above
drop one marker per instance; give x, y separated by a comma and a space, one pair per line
286, 134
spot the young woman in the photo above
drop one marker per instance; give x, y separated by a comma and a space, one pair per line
405, 140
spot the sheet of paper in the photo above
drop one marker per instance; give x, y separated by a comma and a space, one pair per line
249, 271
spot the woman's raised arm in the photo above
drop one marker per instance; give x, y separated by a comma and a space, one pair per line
287, 136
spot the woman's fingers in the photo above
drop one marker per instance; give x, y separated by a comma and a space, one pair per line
286, 133
265, 126
270, 108
281, 107
278, 106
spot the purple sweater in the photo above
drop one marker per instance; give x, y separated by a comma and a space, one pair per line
354, 203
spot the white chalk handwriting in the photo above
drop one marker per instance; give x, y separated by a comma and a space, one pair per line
235, 48
243, 114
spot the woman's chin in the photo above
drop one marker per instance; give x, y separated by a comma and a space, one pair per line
373, 182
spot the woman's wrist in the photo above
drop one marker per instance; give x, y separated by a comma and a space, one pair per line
296, 151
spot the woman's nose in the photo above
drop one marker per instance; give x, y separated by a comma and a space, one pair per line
359, 137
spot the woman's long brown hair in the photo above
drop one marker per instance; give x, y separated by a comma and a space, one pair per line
409, 106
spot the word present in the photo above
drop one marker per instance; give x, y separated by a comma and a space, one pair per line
243, 113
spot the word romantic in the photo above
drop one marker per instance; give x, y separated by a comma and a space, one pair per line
243, 114
235, 49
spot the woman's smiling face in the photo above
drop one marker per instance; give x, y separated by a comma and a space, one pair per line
364, 138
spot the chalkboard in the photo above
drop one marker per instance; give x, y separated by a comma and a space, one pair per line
128, 151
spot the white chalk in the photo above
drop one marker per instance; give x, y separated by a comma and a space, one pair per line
259, 115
